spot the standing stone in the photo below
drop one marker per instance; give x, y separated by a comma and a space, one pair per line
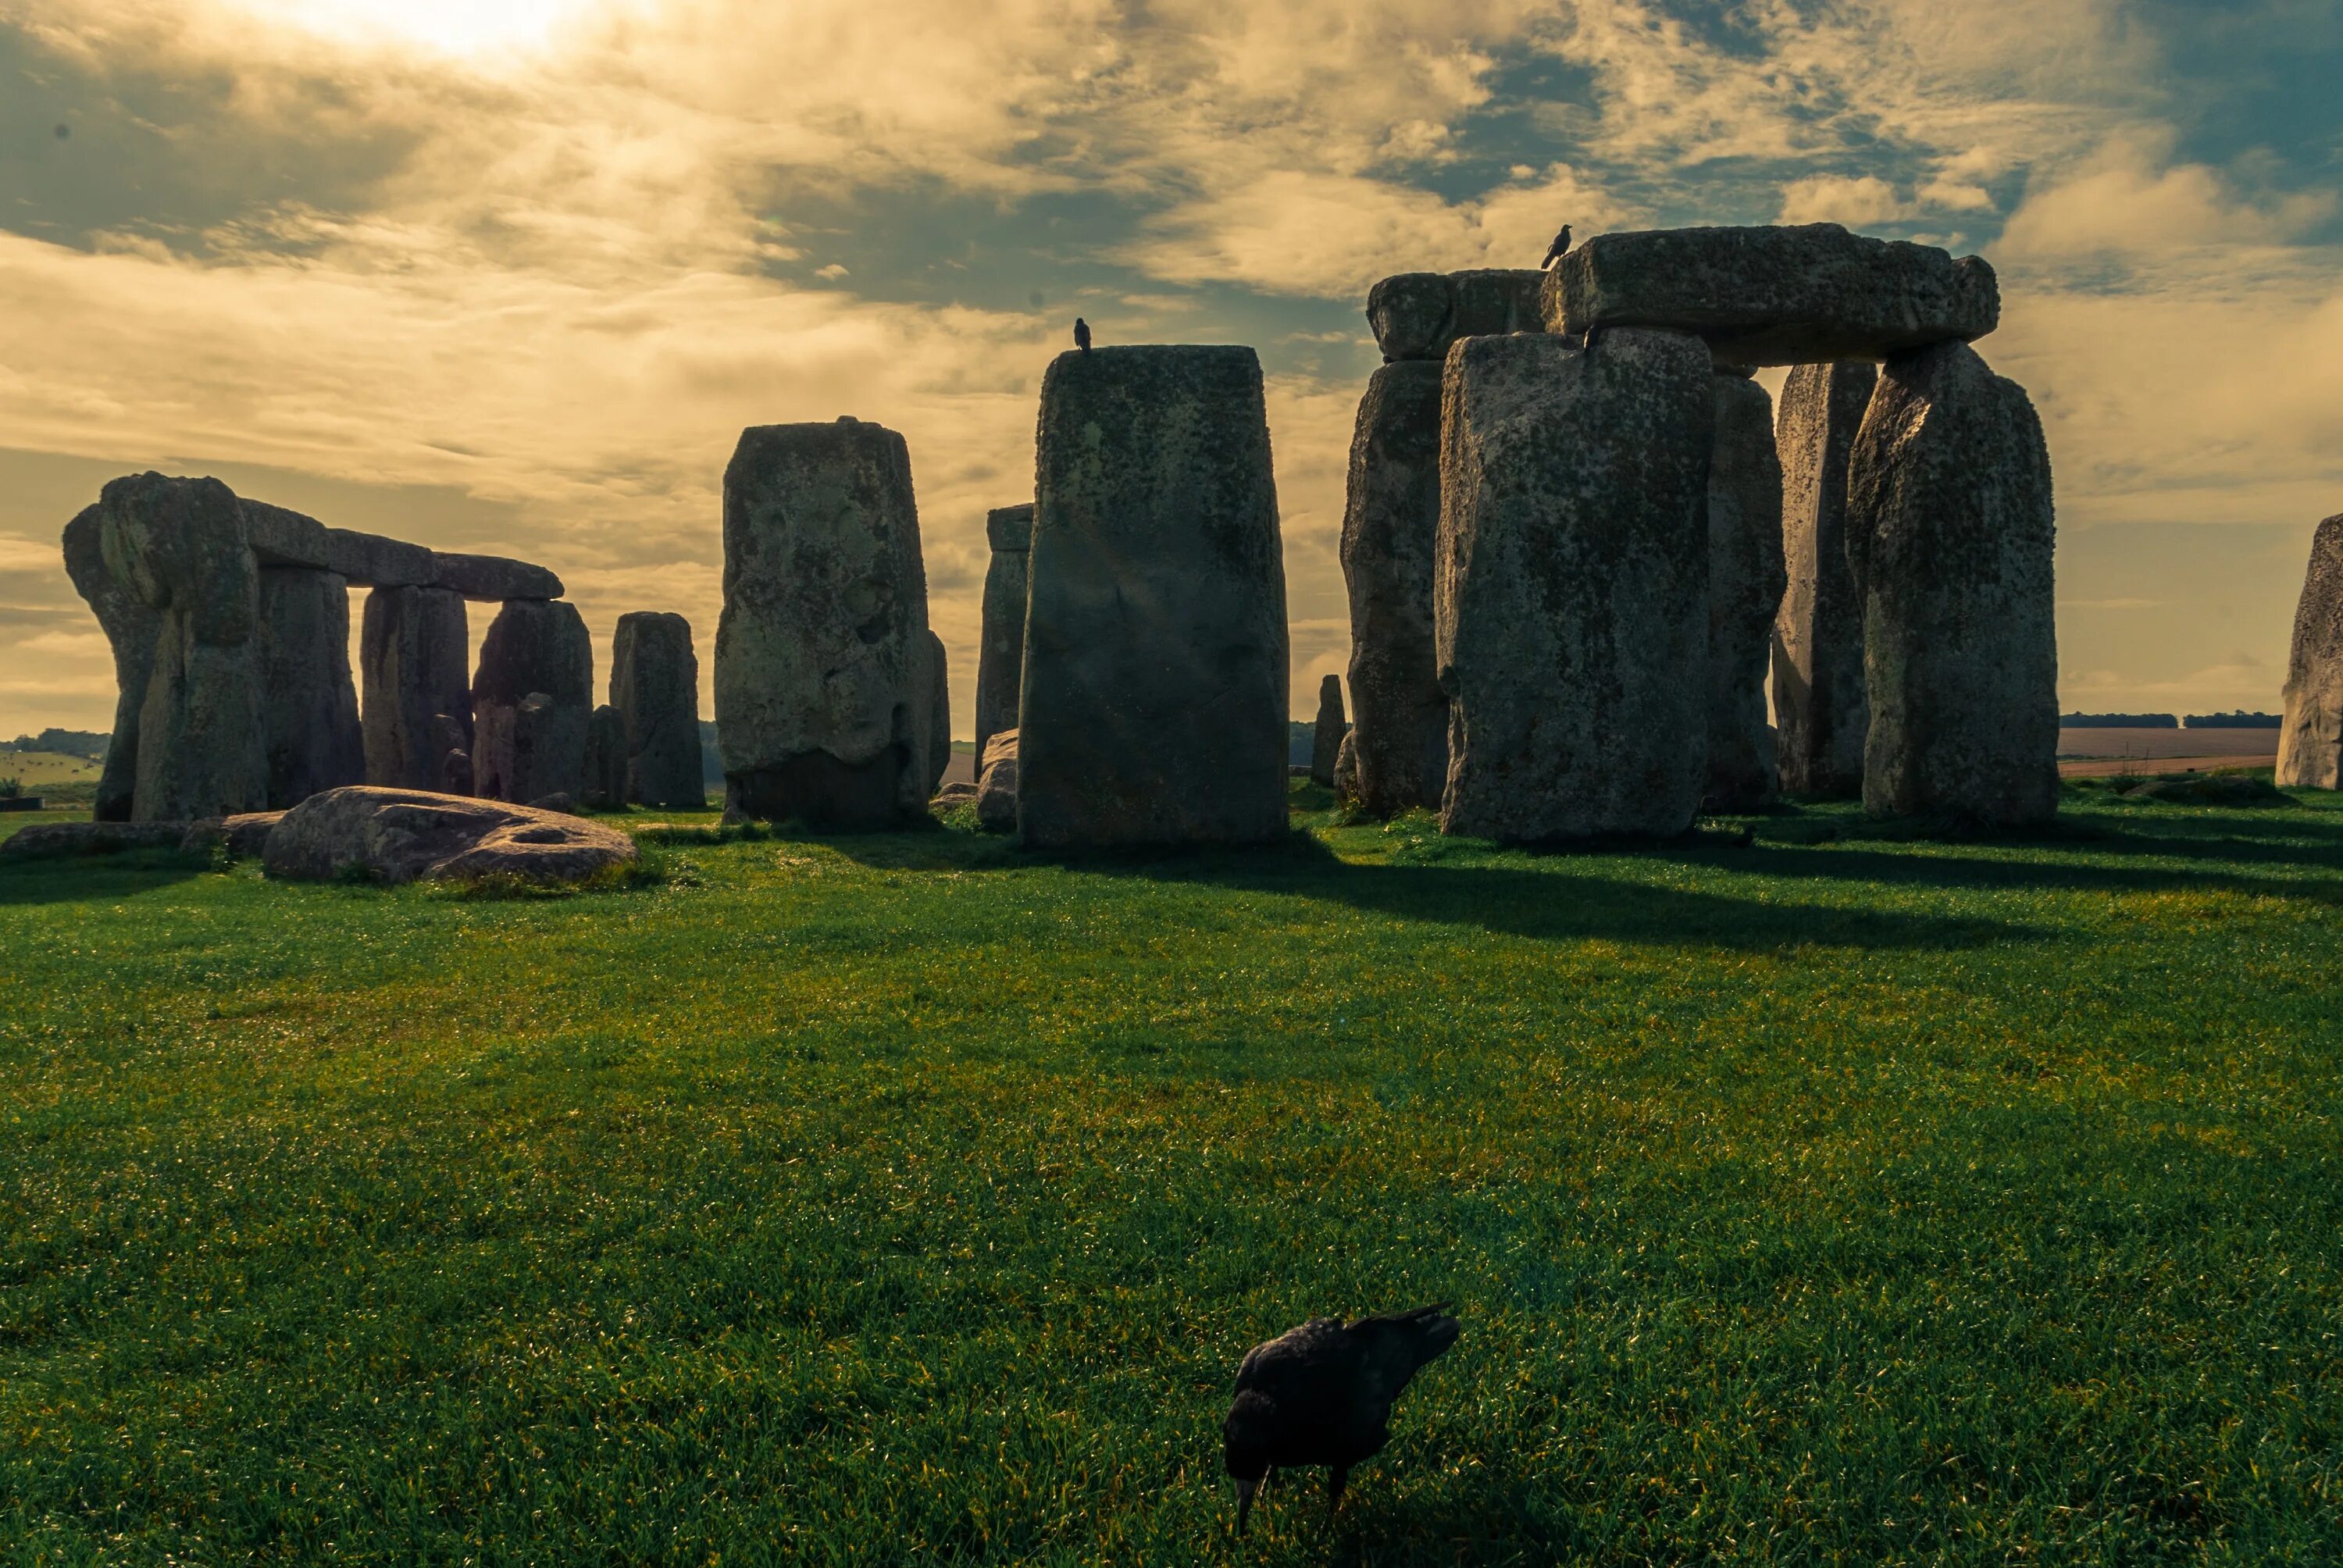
1346, 768
1154, 707
1745, 579
415, 650
2310, 747
309, 702
1819, 704
1572, 598
606, 760
1332, 729
1950, 532
1391, 529
131, 629
996, 784
939, 712
655, 686
180, 546
535, 648
1000, 658
821, 655
453, 737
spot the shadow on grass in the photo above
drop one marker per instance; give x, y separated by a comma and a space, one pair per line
92, 879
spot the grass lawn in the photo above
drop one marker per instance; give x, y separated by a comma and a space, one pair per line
1832, 1196
35, 769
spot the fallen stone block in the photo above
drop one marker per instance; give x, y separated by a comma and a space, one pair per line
409, 835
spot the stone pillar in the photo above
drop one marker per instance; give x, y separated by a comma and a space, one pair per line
938, 691
2310, 747
534, 649
1744, 589
1391, 526
311, 706
1000, 659
820, 654
131, 629
180, 546
414, 651
1819, 707
1154, 704
1571, 591
655, 686
1950, 533
606, 760
1327, 740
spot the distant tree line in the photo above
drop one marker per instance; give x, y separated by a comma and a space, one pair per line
2117, 721
85, 743
2237, 719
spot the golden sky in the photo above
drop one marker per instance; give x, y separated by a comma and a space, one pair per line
511, 274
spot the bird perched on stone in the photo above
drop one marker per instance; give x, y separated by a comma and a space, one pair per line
1322, 1395
1553, 252
1081, 334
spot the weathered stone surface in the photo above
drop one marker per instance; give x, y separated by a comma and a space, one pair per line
2310, 746
493, 578
936, 693
1745, 579
180, 546
1819, 697
1154, 707
1391, 526
453, 737
309, 704
1950, 532
996, 784
283, 538
1346, 768
242, 836
1775, 295
531, 698
131, 629
1419, 314
655, 686
1327, 740
606, 760
407, 835
1573, 585
820, 654
1000, 658
415, 653
47, 838
961, 792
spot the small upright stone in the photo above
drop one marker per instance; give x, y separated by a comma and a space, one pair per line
821, 657
1572, 598
1331, 728
1000, 659
939, 707
996, 784
1745, 589
1819, 697
1390, 527
310, 704
415, 655
1950, 532
534, 649
131, 628
1155, 695
1347, 769
606, 760
655, 687
2310, 746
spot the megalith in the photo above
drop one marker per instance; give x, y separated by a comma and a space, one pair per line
415, 655
821, 657
2310, 746
1571, 598
1950, 531
606, 760
534, 649
131, 629
1819, 705
1326, 739
1745, 579
938, 692
996, 783
1154, 702
179, 545
309, 703
1419, 314
655, 687
1000, 658
1391, 526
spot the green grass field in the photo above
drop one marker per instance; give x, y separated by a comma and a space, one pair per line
35, 769
1829, 1196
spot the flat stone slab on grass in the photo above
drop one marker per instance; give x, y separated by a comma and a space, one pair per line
411, 835
1776, 295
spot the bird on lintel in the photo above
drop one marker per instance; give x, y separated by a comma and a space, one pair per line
1553, 252
1081, 334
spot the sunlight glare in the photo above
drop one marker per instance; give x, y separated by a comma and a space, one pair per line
466, 28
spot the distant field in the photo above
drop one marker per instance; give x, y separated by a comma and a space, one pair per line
38, 767
1825, 1195
2157, 743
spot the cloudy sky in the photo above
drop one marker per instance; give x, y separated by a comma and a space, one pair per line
510, 275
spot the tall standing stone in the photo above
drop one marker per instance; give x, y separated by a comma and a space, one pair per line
1572, 598
1327, 739
2310, 746
821, 655
180, 546
415, 653
606, 760
1154, 705
655, 687
1951, 532
1390, 527
1000, 658
1819, 705
938, 690
535, 648
310, 704
1745, 579
131, 628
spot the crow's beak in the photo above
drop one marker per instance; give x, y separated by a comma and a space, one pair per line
1245, 1489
